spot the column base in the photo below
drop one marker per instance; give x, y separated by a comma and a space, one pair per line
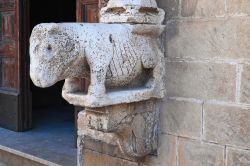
125, 132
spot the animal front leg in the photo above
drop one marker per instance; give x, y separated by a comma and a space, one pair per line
97, 83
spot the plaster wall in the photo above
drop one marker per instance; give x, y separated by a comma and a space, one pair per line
205, 118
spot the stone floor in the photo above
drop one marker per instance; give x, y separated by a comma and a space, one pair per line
51, 139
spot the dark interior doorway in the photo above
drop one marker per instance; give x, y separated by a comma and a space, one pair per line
47, 11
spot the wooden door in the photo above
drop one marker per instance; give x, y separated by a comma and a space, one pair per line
15, 110
88, 10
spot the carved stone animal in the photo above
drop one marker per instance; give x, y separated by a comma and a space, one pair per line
108, 54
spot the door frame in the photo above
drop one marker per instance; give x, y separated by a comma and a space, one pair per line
25, 112
16, 112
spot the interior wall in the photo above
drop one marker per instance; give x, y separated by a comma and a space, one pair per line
42, 12
205, 118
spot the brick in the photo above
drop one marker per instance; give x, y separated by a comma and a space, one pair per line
171, 7
224, 39
238, 6
227, 125
201, 80
236, 157
166, 152
245, 86
194, 153
202, 8
182, 118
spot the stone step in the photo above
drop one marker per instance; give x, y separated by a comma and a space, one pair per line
49, 142
11, 157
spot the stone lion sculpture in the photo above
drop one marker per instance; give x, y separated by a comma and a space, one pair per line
115, 58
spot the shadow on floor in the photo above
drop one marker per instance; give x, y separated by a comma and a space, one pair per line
52, 137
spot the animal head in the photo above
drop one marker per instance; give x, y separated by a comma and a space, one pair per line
52, 50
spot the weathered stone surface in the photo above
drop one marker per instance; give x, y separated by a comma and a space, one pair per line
171, 8
202, 8
134, 3
133, 127
194, 153
125, 66
236, 157
238, 7
166, 152
92, 158
201, 80
245, 86
227, 125
181, 118
209, 39
103, 147
132, 11
9, 159
103, 53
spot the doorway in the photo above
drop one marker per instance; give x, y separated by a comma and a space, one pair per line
48, 103
52, 135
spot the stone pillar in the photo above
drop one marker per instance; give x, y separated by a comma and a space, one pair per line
121, 134
125, 131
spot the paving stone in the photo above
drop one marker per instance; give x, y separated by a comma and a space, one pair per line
9, 159
182, 118
209, 39
227, 125
201, 80
166, 152
245, 86
194, 153
236, 157
238, 6
202, 8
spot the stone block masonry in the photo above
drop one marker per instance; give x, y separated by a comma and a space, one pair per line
205, 118
227, 125
201, 80
182, 118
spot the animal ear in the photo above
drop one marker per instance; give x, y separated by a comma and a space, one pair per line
53, 28
36, 32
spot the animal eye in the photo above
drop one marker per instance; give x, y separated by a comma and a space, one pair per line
36, 47
49, 47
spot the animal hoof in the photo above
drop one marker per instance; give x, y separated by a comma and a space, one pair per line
94, 101
97, 91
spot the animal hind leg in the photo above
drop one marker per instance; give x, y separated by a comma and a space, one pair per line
156, 82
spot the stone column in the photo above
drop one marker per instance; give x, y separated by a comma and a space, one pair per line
124, 131
122, 134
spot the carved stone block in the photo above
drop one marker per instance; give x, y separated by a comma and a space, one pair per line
125, 67
132, 128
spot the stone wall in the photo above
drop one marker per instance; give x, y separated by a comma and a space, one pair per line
205, 118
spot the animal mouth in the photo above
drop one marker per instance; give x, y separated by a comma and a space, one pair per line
41, 81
